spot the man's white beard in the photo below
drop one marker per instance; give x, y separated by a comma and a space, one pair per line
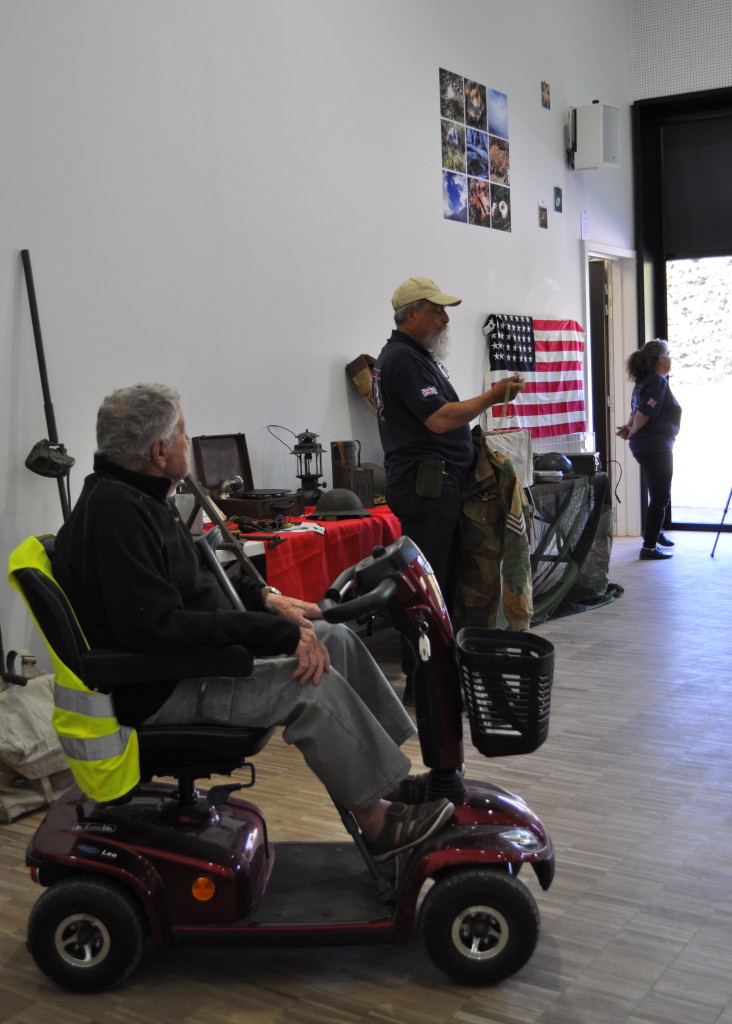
438, 343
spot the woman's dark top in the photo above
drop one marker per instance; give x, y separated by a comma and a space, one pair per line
653, 398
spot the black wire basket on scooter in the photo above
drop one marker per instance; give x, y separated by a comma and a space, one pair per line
506, 679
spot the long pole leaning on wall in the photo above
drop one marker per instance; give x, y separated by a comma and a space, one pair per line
48, 457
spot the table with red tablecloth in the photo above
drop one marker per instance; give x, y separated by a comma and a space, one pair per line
305, 564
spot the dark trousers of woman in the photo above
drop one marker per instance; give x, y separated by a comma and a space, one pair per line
658, 471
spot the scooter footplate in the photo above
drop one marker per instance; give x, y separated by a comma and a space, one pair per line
320, 884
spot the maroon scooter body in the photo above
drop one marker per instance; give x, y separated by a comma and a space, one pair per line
209, 874
147, 846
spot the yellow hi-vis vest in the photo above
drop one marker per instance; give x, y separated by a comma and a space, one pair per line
102, 754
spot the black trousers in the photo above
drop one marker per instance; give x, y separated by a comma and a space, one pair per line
431, 523
658, 471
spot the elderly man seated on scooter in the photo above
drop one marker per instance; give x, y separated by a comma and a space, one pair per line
136, 581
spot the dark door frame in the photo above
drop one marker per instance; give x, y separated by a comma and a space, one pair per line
648, 120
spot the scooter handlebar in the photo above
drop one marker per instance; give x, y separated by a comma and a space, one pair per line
366, 604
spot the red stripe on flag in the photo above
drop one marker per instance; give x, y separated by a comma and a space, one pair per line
557, 326
565, 366
533, 387
557, 344
560, 429
550, 408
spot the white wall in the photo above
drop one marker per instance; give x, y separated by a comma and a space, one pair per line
224, 195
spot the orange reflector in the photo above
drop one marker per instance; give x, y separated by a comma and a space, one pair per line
203, 889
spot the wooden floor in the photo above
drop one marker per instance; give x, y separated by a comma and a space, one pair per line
635, 785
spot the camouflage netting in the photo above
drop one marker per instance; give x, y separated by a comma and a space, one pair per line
571, 540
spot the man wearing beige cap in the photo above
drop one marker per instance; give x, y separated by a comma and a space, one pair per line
424, 427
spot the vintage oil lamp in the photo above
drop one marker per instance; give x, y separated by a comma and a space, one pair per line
309, 454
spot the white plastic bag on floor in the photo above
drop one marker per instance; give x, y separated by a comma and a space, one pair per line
33, 768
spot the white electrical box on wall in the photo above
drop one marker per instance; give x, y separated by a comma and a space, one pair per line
594, 137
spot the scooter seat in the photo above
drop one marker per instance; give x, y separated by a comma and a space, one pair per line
198, 750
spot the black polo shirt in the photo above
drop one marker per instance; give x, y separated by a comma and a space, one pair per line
410, 385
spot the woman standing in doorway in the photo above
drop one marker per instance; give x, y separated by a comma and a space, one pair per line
654, 422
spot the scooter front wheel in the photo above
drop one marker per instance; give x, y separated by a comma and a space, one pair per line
85, 934
479, 925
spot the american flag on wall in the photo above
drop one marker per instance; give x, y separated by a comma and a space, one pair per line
549, 355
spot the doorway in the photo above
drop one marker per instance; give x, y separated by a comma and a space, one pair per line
699, 317
610, 317
599, 363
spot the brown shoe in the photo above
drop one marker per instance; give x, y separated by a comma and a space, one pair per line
413, 789
406, 825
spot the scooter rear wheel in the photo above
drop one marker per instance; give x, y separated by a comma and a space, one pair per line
479, 925
85, 934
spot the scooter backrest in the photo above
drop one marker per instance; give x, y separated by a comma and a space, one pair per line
51, 610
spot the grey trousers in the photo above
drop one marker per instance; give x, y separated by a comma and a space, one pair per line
348, 728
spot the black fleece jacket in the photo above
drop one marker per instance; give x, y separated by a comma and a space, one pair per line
136, 581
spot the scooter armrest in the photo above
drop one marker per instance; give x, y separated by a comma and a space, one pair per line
103, 669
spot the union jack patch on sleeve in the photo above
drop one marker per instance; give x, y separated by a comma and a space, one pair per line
428, 392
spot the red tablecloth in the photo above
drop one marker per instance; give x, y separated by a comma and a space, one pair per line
305, 564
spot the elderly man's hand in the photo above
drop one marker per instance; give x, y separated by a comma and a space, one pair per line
508, 387
292, 608
312, 657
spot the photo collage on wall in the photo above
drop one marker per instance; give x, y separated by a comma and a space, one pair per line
476, 180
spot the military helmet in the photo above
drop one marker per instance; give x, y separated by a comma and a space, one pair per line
555, 461
340, 503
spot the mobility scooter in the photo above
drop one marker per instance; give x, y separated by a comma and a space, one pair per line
180, 867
